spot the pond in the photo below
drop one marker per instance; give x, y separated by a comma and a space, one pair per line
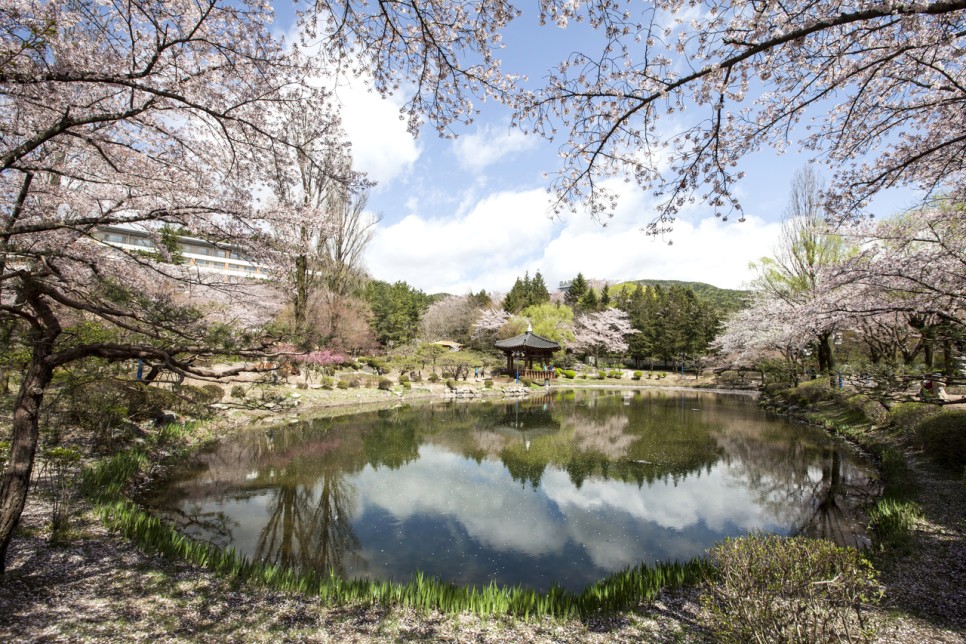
565, 488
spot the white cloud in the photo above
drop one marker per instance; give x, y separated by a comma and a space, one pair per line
381, 146
505, 234
481, 249
490, 144
710, 251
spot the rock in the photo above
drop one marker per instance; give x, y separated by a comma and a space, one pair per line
166, 417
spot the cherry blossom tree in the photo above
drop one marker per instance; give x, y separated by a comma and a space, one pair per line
806, 248
602, 332
132, 114
911, 269
487, 327
875, 89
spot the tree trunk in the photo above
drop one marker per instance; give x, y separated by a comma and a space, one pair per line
826, 361
23, 446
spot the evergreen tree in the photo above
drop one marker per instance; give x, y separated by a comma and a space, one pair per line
514, 302
604, 298
396, 311
480, 300
576, 292
538, 293
526, 292
589, 301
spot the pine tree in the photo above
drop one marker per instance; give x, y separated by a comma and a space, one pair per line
577, 290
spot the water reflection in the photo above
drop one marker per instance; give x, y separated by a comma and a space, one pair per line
564, 488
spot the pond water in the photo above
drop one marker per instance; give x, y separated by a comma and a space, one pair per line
565, 488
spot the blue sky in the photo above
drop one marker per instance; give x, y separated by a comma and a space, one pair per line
472, 213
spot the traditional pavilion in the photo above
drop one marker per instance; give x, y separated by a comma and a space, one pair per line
529, 348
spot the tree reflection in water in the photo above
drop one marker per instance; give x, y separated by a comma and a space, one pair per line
310, 526
595, 479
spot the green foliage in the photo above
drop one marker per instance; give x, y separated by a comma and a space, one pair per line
601, 375
589, 302
570, 374
725, 301
669, 322
342, 384
551, 321
575, 293
385, 384
907, 416
525, 293
943, 437
214, 393
396, 311
433, 378
891, 524
450, 384
328, 383
636, 375
376, 364
403, 379
237, 391
96, 406
488, 383
526, 382
616, 374
773, 589
4, 453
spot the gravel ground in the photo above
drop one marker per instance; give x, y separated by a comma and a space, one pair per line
98, 587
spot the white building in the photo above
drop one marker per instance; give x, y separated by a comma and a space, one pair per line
217, 258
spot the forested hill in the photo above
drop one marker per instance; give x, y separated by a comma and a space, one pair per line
725, 300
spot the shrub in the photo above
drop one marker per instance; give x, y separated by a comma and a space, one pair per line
526, 382
944, 438
636, 375
617, 374
385, 384
773, 589
354, 382
448, 375
60, 466
451, 384
328, 382
488, 383
237, 391
433, 378
909, 415
891, 523
601, 375
403, 379
570, 374
342, 384
213, 392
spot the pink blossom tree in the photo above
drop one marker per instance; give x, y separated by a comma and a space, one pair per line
876, 89
132, 114
602, 333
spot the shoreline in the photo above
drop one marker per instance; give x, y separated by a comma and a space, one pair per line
97, 586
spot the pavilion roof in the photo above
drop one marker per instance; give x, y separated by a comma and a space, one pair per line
528, 340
